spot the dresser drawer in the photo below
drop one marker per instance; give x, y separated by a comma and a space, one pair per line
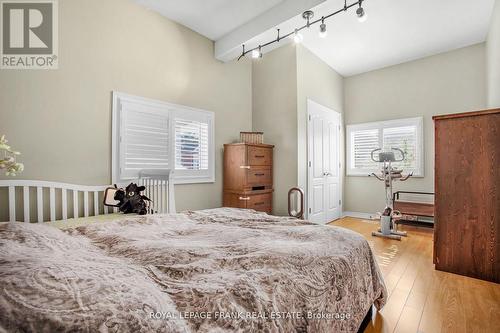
259, 156
260, 202
257, 176
235, 200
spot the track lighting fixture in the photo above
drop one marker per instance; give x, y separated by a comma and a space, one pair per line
361, 12
297, 37
322, 29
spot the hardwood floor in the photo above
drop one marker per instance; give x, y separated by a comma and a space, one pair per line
422, 299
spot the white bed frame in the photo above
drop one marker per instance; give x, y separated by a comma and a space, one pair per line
159, 188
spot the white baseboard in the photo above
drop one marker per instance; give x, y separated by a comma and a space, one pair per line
366, 216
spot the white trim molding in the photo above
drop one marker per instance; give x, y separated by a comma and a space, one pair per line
359, 215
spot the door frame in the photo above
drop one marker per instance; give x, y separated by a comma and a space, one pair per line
308, 161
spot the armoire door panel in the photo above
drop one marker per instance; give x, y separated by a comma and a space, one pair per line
467, 199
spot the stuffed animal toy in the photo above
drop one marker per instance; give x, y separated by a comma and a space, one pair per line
131, 200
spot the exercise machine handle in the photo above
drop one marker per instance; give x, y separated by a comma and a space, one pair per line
407, 176
402, 154
376, 176
373, 158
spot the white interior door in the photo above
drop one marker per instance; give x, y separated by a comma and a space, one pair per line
323, 186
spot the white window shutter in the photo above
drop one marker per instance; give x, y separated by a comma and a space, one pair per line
191, 144
363, 143
404, 138
144, 140
194, 146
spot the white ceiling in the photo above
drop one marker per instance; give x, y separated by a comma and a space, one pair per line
396, 30
210, 18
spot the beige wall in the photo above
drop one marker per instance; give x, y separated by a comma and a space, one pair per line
319, 82
283, 80
274, 85
493, 58
61, 119
445, 83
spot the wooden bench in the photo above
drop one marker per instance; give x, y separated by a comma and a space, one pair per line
413, 210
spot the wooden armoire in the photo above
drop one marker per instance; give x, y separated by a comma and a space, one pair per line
248, 176
467, 199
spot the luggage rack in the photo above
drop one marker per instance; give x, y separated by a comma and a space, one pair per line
414, 212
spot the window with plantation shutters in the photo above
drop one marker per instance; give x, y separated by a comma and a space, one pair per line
150, 134
405, 134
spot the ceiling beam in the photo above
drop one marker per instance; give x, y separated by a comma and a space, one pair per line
228, 47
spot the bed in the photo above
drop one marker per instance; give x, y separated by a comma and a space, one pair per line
219, 270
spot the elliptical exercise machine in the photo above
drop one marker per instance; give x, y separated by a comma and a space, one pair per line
389, 217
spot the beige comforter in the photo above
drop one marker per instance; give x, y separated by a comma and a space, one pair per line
221, 270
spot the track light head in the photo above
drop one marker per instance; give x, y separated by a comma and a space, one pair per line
322, 29
360, 12
297, 37
257, 53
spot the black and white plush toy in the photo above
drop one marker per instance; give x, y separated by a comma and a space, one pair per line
131, 200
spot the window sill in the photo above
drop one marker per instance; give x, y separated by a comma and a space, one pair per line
191, 180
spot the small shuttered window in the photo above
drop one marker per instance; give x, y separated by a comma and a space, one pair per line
405, 134
149, 134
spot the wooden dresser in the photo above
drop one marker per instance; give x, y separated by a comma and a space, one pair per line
248, 176
467, 199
